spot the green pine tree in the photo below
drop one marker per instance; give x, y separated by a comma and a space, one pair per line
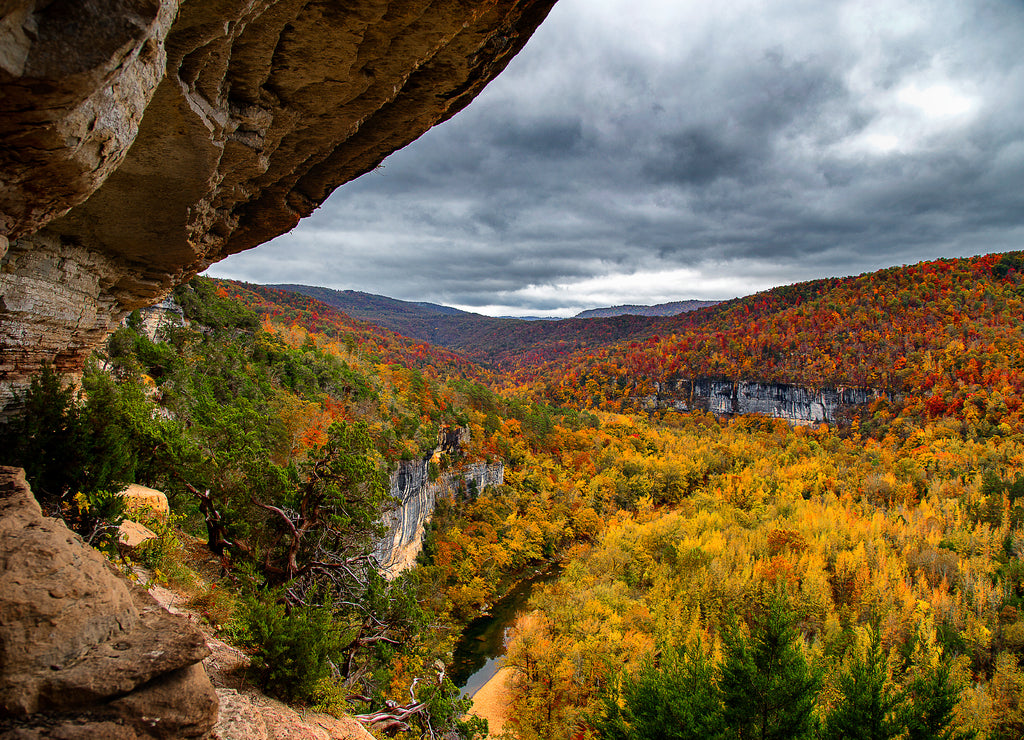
673, 697
79, 450
768, 689
46, 438
869, 706
932, 695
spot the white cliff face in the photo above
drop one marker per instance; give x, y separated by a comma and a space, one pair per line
797, 404
162, 315
415, 496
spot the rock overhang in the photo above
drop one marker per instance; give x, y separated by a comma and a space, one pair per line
144, 140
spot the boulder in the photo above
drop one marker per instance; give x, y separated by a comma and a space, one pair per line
131, 534
143, 501
81, 646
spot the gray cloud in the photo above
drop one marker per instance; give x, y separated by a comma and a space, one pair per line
653, 150
697, 157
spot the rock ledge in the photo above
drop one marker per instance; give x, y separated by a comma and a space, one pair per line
85, 653
143, 140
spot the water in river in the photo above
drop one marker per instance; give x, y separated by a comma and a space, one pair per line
480, 652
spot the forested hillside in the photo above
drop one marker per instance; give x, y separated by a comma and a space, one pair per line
851, 581
942, 338
721, 577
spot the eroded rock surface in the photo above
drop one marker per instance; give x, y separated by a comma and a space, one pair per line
84, 653
794, 403
143, 140
415, 496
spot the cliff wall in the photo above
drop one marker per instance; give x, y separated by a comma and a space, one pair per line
160, 316
796, 404
143, 140
415, 496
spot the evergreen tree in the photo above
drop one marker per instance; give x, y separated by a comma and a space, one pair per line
869, 706
768, 689
673, 697
932, 695
45, 439
76, 454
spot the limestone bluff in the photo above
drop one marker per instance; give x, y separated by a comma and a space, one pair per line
143, 140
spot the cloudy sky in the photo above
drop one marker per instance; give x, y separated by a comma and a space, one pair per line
643, 151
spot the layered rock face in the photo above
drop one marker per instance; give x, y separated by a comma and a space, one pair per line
796, 404
163, 315
84, 654
143, 140
415, 496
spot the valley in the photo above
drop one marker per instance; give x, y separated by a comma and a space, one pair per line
242, 511
858, 484
497, 343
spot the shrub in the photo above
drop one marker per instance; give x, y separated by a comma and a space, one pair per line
295, 648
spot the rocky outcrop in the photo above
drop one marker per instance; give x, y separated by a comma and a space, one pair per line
415, 496
143, 140
155, 320
83, 654
248, 715
794, 403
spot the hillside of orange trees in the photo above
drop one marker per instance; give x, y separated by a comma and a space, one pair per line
897, 562
943, 337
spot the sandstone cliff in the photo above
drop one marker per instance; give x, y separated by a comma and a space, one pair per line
165, 315
796, 404
143, 140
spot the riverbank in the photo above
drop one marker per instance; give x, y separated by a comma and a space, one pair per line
491, 701
477, 654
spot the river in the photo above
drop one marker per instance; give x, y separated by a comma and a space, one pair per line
480, 652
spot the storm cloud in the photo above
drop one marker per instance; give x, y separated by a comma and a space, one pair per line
643, 151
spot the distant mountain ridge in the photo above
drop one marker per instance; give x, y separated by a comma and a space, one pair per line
494, 342
367, 306
429, 322
672, 308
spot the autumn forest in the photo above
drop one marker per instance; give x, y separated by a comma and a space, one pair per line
729, 576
